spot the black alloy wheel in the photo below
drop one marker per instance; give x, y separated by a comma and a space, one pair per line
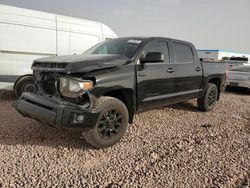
209, 98
109, 124
212, 97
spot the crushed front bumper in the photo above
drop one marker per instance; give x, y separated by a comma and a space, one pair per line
55, 112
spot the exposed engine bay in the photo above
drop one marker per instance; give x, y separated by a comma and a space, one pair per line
51, 84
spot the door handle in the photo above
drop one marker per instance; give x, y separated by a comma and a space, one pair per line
198, 69
170, 70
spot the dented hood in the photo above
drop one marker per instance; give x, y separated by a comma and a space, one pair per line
79, 63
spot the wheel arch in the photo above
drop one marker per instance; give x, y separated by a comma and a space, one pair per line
127, 97
21, 77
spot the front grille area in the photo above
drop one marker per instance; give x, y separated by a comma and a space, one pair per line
48, 83
49, 65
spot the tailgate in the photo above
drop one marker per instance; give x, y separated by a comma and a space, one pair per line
233, 75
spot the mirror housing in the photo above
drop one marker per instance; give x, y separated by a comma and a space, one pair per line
152, 57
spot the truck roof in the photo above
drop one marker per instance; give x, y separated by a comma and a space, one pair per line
151, 38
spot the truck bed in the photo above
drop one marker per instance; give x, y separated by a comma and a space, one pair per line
214, 68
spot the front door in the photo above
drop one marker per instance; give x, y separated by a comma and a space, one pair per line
155, 81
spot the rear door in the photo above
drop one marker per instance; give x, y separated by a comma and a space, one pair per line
188, 71
154, 80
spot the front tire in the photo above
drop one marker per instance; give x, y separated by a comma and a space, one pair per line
111, 125
209, 99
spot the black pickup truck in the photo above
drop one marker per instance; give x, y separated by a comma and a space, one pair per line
101, 90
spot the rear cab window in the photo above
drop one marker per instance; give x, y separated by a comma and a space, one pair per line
183, 53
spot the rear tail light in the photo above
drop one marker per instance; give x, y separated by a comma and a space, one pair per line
227, 72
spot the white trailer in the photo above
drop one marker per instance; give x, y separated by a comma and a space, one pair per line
26, 35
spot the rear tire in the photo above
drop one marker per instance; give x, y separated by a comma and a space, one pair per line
111, 125
25, 84
208, 101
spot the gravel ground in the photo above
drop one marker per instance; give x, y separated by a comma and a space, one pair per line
174, 146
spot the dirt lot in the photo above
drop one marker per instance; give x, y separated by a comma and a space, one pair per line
175, 146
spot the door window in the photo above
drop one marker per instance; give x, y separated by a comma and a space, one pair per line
157, 46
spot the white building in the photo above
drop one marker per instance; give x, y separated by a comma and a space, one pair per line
219, 54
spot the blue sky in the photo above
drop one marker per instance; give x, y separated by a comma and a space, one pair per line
215, 24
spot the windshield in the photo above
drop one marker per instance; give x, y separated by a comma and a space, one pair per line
124, 47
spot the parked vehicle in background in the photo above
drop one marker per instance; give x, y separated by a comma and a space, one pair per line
101, 90
236, 61
218, 55
26, 35
239, 77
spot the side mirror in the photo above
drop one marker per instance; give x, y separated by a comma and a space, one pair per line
152, 57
